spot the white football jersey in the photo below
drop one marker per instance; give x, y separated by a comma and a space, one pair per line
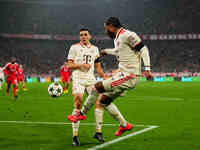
82, 54
129, 58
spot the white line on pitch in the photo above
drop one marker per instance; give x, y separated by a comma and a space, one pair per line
122, 138
65, 123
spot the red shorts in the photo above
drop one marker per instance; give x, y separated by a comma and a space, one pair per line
66, 79
21, 79
11, 80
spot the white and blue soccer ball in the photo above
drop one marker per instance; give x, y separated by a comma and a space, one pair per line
55, 89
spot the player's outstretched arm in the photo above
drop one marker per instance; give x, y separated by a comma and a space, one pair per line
146, 59
106, 51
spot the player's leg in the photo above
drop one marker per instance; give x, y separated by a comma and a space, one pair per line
75, 125
111, 89
121, 82
92, 97
64, 88
113, 111
99, 120
63, 84
19, 84
24, 85
8, 81
78, 92
67, 84
105, 101
15, 87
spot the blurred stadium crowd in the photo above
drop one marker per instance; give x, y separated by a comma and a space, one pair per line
57, 17
145, 16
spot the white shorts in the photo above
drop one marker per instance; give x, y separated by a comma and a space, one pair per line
118, 84
80, 87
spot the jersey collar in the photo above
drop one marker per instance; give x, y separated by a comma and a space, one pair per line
84, 46
120, 31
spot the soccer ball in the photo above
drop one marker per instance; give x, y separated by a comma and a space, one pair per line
55, 89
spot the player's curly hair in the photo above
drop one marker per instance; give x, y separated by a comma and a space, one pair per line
114, 21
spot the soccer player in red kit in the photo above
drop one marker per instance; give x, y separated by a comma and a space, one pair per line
11, 73
21, 77
65, 74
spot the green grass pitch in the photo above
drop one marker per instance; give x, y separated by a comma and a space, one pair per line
173, 106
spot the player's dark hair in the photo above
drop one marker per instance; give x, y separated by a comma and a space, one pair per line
114, 21
13, 58
84, 29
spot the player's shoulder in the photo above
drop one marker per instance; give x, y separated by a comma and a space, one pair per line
94, 46
75, 47
78, 44
8, 64
130, 33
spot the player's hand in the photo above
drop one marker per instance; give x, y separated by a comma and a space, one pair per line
148, 75
86, 67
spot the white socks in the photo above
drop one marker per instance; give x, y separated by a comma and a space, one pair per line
99, 119
75, 126
115, 113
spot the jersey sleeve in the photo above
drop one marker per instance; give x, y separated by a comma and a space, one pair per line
146, 58
133, 40
72, 53
97, 53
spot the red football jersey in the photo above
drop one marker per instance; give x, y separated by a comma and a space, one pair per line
65, 71
11, 69
20, 72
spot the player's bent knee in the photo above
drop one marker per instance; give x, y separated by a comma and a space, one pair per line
105, 100
99, 87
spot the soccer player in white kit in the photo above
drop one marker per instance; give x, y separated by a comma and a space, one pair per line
1, 77
130, 50
82, 60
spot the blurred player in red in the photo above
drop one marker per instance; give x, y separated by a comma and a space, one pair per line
11, 73
65, 74
21, 77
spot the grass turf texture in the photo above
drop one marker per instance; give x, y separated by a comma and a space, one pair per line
173, 106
